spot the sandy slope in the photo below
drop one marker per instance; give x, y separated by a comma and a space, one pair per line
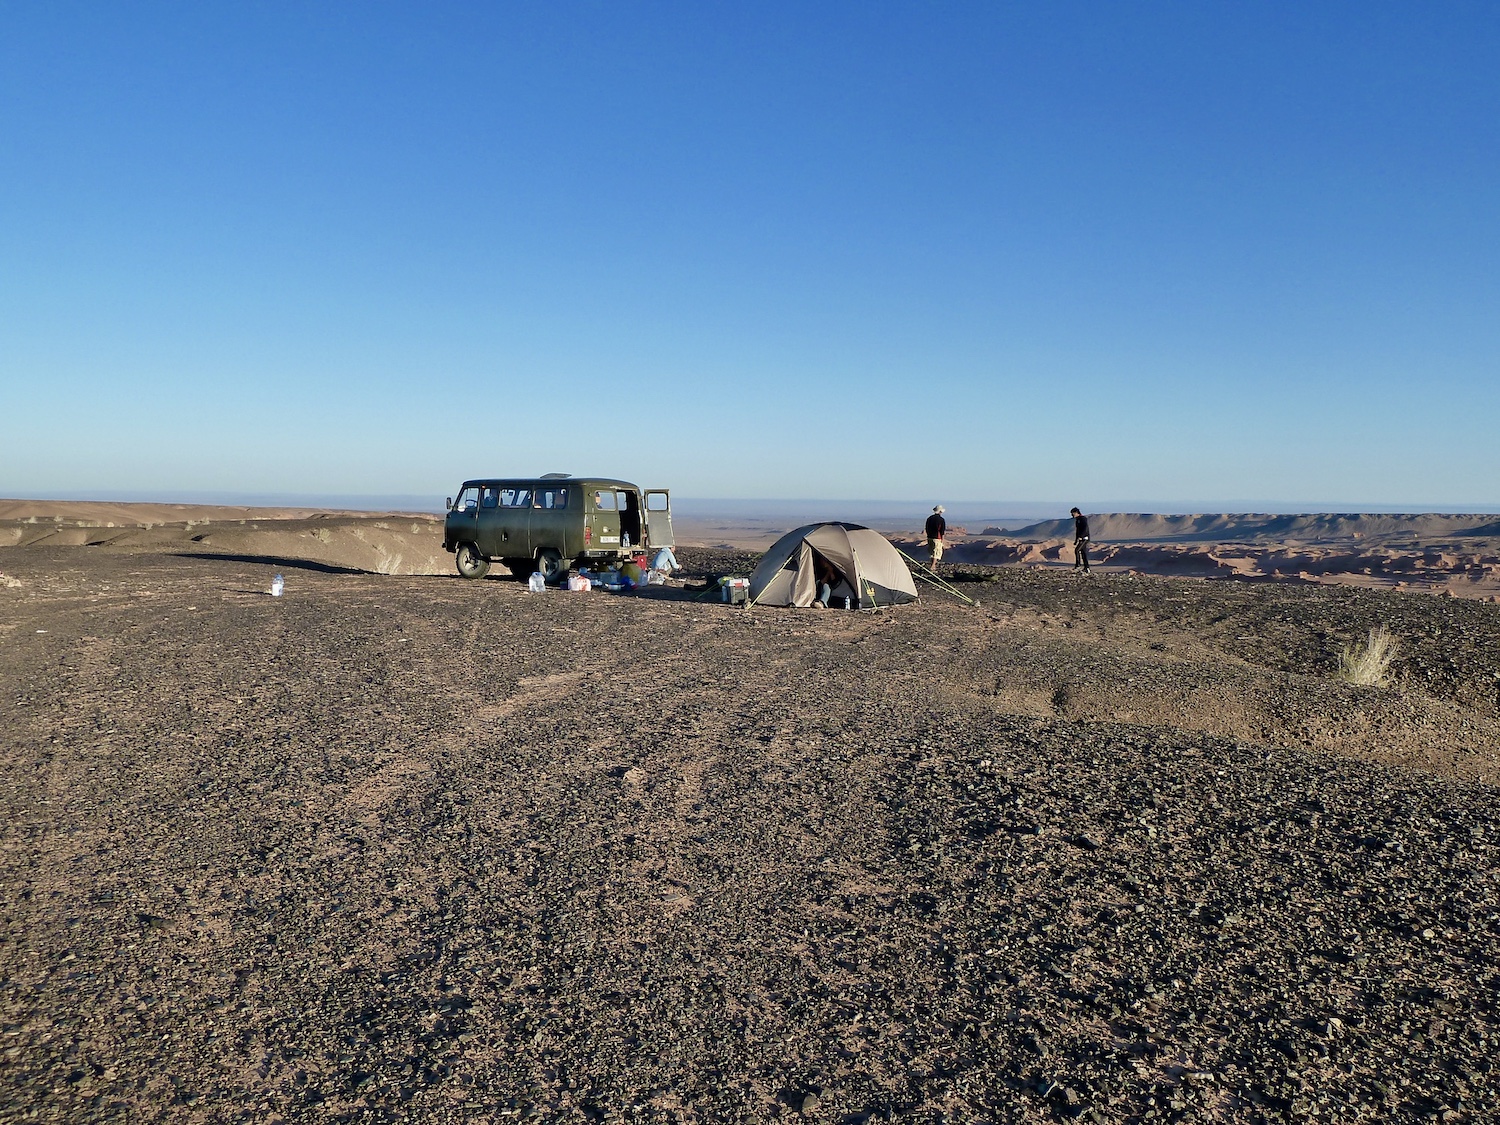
378, 543
420, 849
108, 513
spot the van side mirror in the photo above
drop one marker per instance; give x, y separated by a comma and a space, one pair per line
448, 504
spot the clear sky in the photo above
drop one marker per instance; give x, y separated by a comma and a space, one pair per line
1194, 252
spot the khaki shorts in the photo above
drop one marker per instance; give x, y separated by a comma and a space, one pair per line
935, 547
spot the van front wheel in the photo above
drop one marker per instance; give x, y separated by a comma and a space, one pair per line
470, 563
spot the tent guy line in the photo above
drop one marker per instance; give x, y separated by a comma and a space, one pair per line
932, 578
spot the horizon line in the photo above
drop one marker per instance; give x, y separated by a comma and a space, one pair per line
999, 509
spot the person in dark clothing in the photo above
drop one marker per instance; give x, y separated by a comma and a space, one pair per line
825, 577
936, 527
1080, 541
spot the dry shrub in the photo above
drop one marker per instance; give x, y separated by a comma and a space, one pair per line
1369, 664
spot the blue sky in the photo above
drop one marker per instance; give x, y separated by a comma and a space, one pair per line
1129, 252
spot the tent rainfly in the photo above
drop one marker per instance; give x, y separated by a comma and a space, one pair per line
870, 571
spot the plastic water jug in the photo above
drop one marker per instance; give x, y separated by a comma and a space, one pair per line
277, 585
536, 583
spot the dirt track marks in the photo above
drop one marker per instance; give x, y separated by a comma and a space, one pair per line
714, 865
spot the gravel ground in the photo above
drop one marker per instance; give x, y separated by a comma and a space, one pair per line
418, 849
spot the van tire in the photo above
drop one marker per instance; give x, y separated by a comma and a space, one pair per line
470, 563
552, 565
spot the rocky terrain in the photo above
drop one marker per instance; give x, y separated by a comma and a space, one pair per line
1454, 555
420, 849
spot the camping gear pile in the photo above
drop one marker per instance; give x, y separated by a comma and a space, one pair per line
635, 572
735, 591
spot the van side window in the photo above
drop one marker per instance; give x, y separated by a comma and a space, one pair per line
552, 498
489, 496
604, 501
515, 497
656, 501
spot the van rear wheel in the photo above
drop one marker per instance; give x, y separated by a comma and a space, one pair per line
552, 565
470, 563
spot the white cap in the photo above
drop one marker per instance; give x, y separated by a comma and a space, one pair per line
937, 507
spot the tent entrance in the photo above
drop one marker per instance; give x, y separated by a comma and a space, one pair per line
806, 564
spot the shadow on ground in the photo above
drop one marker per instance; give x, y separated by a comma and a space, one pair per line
273, 560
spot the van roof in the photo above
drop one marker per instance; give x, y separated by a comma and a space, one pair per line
552, 482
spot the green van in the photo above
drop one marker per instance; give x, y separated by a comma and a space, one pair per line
548, 523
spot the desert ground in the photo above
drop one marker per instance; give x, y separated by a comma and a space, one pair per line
1456, 556
402, 847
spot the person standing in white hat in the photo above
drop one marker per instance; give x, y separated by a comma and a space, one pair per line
936, 527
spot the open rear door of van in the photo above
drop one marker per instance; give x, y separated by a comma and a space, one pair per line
659, 517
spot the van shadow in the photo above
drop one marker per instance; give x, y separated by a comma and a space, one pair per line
276, 561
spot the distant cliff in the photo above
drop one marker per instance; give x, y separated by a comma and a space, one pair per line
1135, 527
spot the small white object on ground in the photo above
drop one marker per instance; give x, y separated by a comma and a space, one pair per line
277, 585
536, 583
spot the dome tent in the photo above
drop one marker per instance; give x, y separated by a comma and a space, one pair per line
870, 571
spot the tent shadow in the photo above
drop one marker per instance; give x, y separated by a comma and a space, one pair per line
273, 560
675, 594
